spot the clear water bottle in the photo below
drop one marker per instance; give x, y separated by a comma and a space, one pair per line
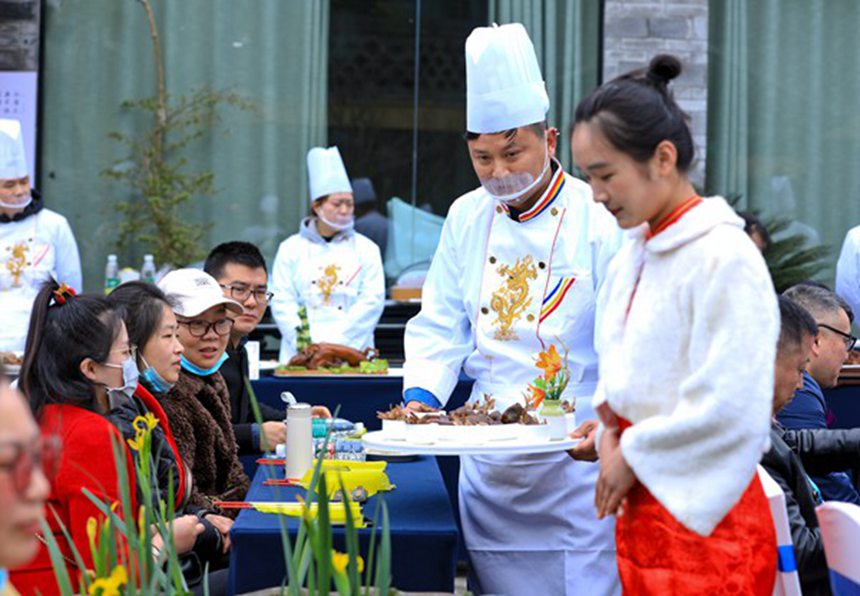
111, 274
147, 272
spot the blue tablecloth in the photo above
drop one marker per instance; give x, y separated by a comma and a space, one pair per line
359, 398
423, 532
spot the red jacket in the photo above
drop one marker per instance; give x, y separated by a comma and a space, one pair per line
86, 461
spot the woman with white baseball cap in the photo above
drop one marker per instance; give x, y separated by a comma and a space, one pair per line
198, 405
328, 267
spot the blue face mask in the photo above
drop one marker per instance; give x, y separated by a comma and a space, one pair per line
130, 375
203, 372
153, 379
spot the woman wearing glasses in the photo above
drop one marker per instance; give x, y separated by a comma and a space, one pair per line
198, 405
328, 268
78, 361
24, 487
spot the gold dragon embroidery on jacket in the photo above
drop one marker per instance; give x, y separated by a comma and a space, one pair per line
512, 299
328, 281
17, 262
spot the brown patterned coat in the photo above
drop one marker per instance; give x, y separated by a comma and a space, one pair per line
199, 412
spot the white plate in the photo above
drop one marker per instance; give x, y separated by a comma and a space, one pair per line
383, 441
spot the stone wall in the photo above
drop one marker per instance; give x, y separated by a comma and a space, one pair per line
635, 30
19, 34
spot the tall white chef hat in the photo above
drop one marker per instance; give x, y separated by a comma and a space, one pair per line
13, 162
326, 172
504, 86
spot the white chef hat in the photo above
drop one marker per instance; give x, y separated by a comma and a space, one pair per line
326, 172
13, 162
504, 86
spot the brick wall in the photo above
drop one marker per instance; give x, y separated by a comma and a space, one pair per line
635, 30
19, 34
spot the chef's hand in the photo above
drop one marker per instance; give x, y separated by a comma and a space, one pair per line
616, 478
271, 434
414, 405
320, 412
586, 449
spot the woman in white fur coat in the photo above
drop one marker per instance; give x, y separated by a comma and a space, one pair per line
687, 344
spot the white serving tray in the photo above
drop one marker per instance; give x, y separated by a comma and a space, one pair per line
515, 445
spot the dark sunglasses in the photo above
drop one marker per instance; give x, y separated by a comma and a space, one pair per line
44, 453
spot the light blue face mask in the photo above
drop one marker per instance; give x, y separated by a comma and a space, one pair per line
130, 375
203, 372
153, 379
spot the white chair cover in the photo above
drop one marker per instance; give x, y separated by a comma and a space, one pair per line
840, 531
787, 580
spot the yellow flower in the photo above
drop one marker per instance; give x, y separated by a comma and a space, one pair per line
109, 586
549, 362
92, 528
143, 426
340, 561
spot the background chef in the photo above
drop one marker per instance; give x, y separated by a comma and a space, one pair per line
517, 269
36, 244
327, 267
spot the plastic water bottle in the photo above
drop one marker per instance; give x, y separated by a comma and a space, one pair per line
300, 443
111, 274
147, 272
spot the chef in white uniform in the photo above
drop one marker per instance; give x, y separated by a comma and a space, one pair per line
36, 244
328, 267
518, 266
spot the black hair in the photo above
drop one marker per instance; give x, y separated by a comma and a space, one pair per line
753, 225
142, 307
241, 253
63, 332
795, 324
538, 128
636, 112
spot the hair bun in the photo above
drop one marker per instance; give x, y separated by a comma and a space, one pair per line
663, 68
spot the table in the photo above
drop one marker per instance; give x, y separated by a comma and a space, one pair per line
423, 531
359, 398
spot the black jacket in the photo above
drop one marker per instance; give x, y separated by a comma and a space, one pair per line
793, 455
235, 371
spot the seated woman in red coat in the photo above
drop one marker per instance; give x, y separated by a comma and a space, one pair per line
79, 365
78, 359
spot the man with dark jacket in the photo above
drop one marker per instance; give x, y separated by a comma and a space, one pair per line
830, 348
241, 271
793, 452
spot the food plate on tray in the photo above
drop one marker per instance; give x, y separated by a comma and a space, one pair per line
452, 445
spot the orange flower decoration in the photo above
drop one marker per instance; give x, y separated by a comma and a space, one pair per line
536, 398
549, 362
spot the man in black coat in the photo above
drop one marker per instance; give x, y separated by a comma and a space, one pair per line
794, 452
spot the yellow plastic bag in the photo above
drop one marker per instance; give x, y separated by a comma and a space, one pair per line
336, 511
373, 481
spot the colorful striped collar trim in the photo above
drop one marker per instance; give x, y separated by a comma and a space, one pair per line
676, 214
556, 183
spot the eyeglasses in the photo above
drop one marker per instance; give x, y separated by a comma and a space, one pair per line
130, 351
43, 452
241, 293
850, 340
200, 328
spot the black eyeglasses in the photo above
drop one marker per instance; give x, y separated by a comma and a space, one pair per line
850, 340
43, 452
200, 328
241, 293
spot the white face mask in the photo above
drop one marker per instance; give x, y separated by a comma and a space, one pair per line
20, 205
512, 187
340, 227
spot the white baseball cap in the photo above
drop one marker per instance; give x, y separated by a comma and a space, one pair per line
504, 86
193, 291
